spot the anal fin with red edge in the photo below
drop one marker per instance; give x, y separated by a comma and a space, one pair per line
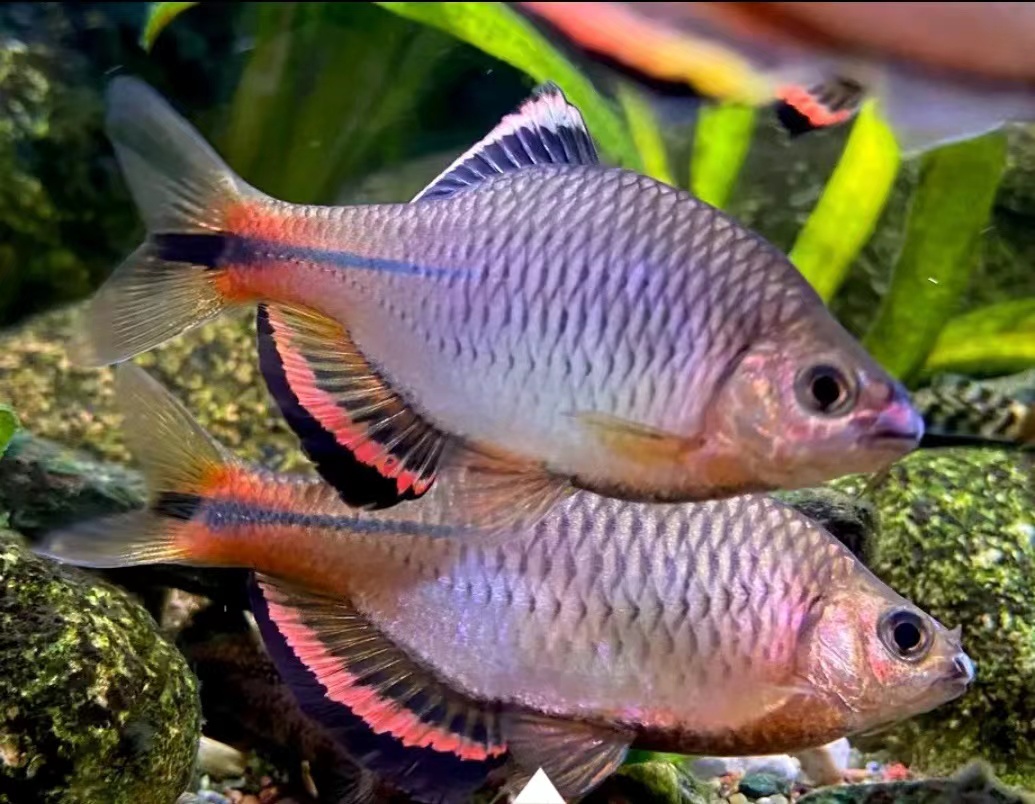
363, 438
371, 445
391, 713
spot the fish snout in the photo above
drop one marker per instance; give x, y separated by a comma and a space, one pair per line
898, 424
962, 671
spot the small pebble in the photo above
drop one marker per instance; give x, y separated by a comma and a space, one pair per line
759, 785
738, 798
777, 799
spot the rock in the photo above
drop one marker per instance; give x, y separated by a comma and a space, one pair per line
777, 799
737, 798
975, 784
652, 782
762, 784
957, 537
94, 704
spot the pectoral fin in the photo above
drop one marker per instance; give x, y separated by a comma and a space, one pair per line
499, 494
638, 442
575, 756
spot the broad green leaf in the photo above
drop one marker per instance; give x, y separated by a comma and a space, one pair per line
8, 427
988, 355
502, 33
948, 211
851, 204
643, 126
722, 137
159, 16
1000, 335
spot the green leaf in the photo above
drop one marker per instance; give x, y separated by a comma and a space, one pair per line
851, 204
722, 137
502, 33
996, 339
8, 427
159, 16
990, 356
646, 135
948, 211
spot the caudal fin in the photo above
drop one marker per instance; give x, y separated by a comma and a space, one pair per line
184, 190
181, 463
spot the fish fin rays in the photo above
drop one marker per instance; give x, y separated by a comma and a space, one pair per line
806, 108
499, 494
391, 713
184, 191
636, 441
575, 756
545, 130
362, 437
181, 463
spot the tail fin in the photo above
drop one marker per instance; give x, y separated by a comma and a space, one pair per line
183, 190
181, 463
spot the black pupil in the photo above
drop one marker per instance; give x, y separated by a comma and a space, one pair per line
826, 390
907, 636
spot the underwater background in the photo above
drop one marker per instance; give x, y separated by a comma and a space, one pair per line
927, 260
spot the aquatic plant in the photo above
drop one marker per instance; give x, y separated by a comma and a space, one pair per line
8, 427
914, 333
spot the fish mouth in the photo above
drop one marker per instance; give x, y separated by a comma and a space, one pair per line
898, 426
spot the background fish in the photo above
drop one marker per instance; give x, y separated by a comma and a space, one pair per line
535, 319
961, 411
726, 627
940, 72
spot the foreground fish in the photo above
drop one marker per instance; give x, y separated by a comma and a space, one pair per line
726, 627
940, 71
960, 411
534, 319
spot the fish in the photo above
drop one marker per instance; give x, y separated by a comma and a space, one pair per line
937, 74
961, 411
734, 626
533, 322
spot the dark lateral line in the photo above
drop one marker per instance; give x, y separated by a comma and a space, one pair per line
216, 249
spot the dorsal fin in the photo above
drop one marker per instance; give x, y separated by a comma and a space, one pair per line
545, 130
390, 713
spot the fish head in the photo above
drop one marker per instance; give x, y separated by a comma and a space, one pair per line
879, 658
808, 404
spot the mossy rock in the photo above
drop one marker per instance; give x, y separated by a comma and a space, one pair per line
94, 704
652, 782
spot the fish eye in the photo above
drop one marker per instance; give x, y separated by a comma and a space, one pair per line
905, 633
826, 390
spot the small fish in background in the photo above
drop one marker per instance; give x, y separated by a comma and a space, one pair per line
941, 72
961, 411
533, 321
727, 627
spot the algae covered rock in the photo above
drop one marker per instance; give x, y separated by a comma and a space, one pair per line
94, 704
652, 782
